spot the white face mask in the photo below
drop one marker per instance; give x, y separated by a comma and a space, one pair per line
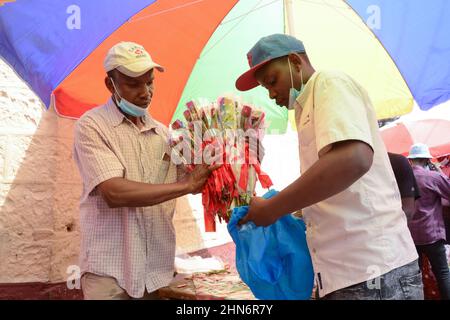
294, 93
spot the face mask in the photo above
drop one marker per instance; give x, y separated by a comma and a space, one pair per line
294, 93
128, 107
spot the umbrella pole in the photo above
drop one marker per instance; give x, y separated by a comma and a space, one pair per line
290, 17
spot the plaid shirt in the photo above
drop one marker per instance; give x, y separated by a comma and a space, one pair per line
136, 246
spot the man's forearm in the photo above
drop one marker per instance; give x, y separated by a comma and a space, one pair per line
119, 192
332, 173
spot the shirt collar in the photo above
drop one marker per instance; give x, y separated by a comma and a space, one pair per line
117, 117
307, 91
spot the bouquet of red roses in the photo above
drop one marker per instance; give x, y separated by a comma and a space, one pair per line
226, 132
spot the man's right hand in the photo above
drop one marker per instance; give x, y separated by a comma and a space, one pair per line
197, 178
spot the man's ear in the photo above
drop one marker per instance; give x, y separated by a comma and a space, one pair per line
109, 84
296, 61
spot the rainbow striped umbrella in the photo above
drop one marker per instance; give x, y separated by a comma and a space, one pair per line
398, 49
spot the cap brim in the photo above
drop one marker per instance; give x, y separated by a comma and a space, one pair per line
247, 80
420, 156
138, 69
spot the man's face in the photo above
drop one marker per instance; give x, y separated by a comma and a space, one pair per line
275, 77
138, 91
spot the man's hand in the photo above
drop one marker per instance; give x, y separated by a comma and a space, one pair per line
198, 177
258, 213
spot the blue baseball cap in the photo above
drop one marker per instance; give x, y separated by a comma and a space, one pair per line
266, 49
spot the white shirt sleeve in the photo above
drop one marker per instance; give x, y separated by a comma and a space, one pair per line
340, 112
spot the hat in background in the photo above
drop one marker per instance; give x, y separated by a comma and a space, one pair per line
130, 59
266, 49
419, 150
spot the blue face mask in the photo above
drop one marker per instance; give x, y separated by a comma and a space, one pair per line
294, 93
128, 107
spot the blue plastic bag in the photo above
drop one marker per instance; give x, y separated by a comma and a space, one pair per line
273, 261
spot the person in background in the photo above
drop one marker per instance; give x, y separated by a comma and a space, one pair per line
427, 226
444, 164
406, 182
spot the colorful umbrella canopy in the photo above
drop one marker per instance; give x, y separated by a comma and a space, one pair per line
397, 49
343, 41
435, 133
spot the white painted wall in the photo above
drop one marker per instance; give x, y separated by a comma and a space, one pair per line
39, 187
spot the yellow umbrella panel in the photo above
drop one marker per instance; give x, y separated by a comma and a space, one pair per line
336, 38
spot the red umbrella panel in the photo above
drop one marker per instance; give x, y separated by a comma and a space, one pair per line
435, 133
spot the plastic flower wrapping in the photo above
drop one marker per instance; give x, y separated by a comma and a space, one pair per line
226, 132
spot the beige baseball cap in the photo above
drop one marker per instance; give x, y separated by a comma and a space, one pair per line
130, 59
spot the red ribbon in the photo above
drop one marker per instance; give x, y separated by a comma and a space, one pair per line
220, 189
263, 177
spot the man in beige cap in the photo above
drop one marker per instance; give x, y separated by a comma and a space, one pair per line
129, 185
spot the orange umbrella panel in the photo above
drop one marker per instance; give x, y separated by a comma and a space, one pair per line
173, 31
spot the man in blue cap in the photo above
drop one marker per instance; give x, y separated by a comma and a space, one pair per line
357, 233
